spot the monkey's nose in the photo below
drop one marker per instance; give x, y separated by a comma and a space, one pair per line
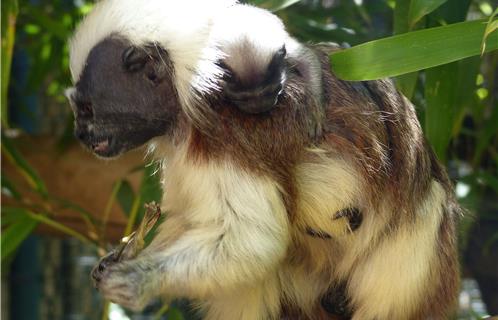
257, 106
81, 134
84, 109
257, 101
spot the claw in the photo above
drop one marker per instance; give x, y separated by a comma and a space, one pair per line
104, 263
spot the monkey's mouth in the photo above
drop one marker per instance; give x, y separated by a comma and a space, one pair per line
100, 147
107, 140
104, 147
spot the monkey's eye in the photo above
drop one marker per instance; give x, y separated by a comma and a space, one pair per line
296, 71
152, 76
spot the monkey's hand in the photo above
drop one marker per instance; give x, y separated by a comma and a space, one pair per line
106, 261
121, 282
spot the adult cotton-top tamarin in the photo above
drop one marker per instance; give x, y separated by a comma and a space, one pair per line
290, 193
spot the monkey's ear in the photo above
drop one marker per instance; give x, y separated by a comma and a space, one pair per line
150, 58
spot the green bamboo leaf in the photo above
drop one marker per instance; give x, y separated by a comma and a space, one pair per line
16, 216
449, 89
489, 180
406, 82
465, 92
29, 174
132, 217
439, 96
9, 17
105, 310
59, 226
109, 205
486, 248
9, 189
491, 26
448, 13
488, 130
411, 51
85, 215
12, 214
158, 315
274, 5
174, 314
51, 25
125, 197
400, 16
150, 190
16, 233
420, 8
310, 30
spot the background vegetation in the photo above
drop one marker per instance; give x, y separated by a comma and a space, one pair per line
442, 54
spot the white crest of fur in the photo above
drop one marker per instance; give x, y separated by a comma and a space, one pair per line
249, 37
182, 27
195, 33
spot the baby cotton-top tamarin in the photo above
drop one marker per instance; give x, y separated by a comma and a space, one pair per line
290, 193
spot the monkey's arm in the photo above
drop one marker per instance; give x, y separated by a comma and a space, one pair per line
241, 237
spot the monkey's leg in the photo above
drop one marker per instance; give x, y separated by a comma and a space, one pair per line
241, 245
412, 273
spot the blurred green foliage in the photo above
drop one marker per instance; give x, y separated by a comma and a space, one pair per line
427, 44
9, 15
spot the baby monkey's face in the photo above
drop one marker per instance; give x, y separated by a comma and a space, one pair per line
124, 97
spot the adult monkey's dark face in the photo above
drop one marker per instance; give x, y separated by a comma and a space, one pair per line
124, 97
